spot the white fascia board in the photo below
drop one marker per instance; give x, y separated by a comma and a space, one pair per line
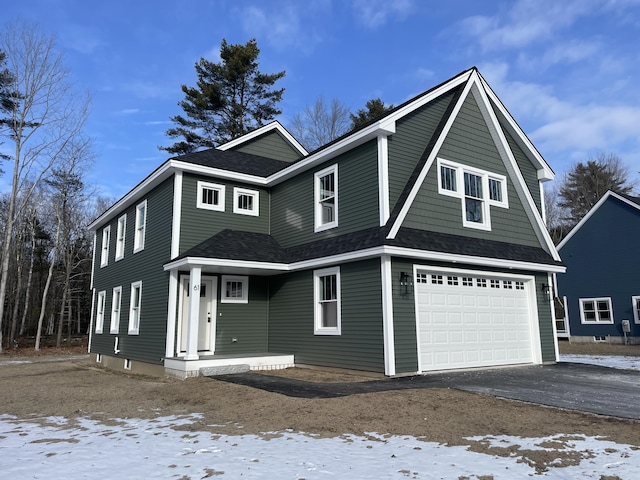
204, 262
275, 125
218, 173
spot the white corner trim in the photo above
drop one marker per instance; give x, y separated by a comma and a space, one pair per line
383, 179
387, 315
177, 214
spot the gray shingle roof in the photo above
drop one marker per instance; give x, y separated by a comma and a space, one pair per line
235, 161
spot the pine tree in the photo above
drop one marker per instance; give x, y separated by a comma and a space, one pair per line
373, 109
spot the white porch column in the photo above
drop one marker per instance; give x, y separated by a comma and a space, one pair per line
194, 313
387, 316
170, 345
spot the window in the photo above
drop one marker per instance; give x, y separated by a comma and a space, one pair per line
141, 221
115, 310
100, 311
636, 308
211, 196
134, 308
477, 189
122, 227
326, 198
235, 289
106, 238
327, 301
596, 310
246, 202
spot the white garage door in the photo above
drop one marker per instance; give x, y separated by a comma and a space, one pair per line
474, 320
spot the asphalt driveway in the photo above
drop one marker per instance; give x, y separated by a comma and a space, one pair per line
573, 386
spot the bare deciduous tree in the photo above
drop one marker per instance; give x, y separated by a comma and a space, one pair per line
320, 123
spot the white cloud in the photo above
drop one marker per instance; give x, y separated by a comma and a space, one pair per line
128, 111
374, 13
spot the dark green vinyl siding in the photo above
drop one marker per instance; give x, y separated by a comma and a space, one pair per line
198, 224
469, 143
292, 210
545, 321
291, 320
527, 169
404, 319
408, 144
246, 322
270, 145
144, 266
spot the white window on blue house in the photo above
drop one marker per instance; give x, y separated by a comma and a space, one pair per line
102, 296
478, 190
596, 310
327, 313
121, 232
326, 198
106, 239
211, 196
235, 289
141, 226
135, 304
116, 302
636, 308
246, 202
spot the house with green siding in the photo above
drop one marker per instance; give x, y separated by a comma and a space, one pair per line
414, 243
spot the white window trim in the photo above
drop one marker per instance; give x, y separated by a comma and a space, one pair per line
460, 170
234, 278
237, 192
133, 329
318, 226
318, 329
595, 300
102, 300
106, 240
221, 196
139, 238
115, 312
634, 300
121, 237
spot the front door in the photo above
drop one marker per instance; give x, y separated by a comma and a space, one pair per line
207, 317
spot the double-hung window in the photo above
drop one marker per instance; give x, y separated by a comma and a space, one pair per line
596, 310
235, 289
478, 190
326, 198
246, 202
122, 227
211, 196
135, 304
116, 301
327, 315
100, 311
141, 225
636, 308
106, 239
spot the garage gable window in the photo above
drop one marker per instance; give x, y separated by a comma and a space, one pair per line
478, 190
327, 315
596, 310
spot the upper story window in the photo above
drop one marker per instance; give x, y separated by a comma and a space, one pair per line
235, 289
141, 225
211, 196
106, 239
100, 311
477, 189
326, 198
246, 202
122, 227
116, 301
134, 308
596, 310
327, 312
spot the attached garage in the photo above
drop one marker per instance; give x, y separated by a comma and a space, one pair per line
475, 319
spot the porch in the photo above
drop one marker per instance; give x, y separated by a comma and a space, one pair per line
208, 365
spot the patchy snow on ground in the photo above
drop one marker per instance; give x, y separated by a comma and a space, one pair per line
613, 361
135, 448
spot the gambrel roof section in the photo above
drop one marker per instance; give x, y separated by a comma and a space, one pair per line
495, 115
628, 199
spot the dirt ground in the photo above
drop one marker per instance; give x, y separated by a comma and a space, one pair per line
75, 388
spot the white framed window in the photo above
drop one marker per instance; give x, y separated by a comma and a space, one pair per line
596, 310
121, 232
327, 312
326, 198
102, 296
211, 196
235, 289
135, 304
106, 239
116, 302
635, 300
477, 189
246, 202
141, 225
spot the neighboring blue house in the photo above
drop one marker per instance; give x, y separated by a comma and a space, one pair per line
414, 243
602, 283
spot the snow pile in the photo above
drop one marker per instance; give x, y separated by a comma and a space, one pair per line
613, 361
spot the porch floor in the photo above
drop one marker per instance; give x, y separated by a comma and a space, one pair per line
229, 363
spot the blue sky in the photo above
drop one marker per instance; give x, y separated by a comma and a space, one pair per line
567, 70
